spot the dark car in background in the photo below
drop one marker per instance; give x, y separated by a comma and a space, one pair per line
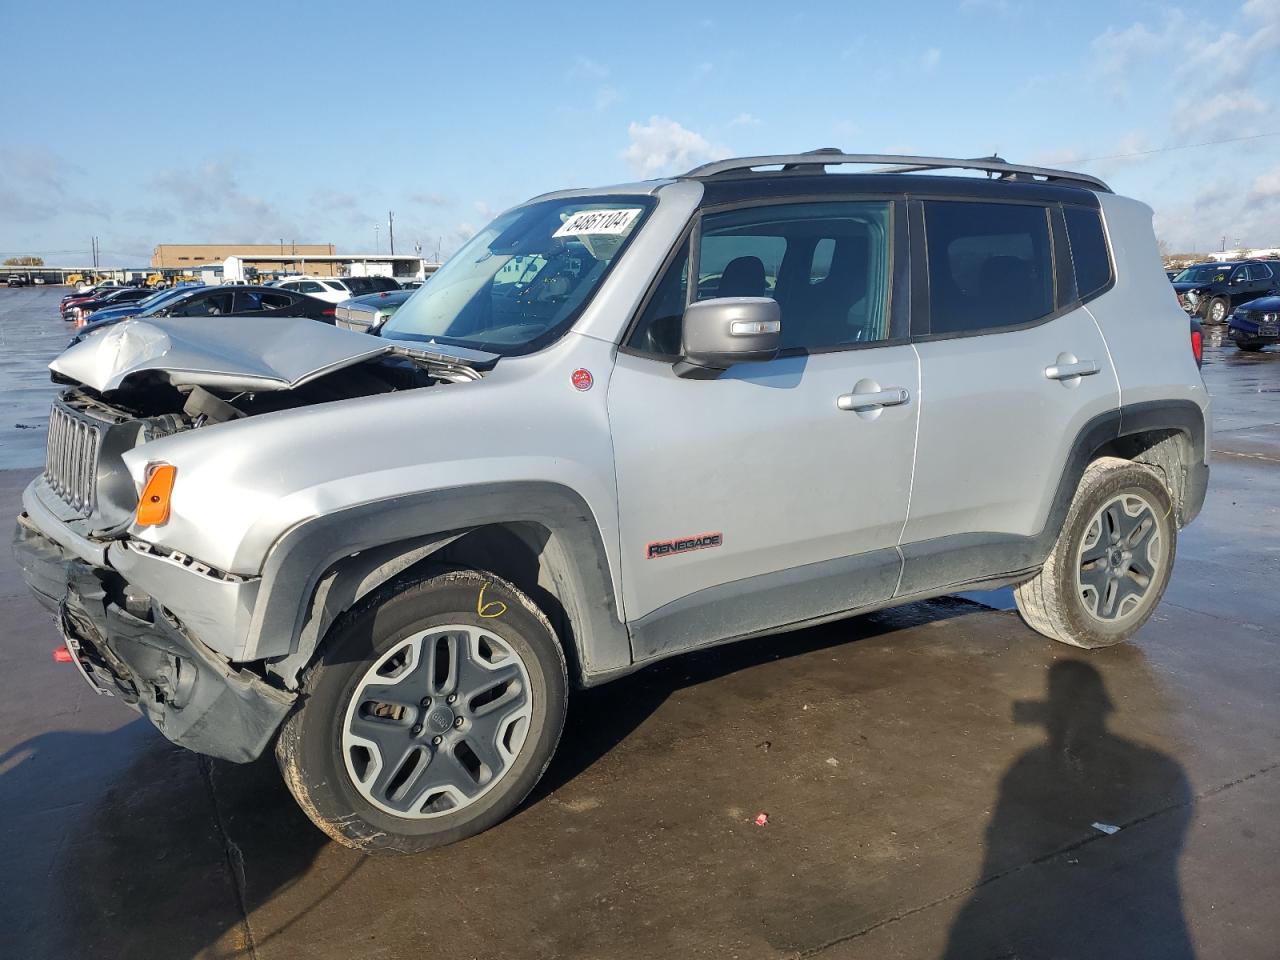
366, 314
80, 310
124, 311
1254, 324
1212, 290
360, 286
222, 301
72, 300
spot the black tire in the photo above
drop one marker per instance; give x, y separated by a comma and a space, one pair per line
1055, 603
310, 746
1251, 346
1218, 310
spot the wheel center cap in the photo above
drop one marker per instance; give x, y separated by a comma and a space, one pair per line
1117, 557
440, 719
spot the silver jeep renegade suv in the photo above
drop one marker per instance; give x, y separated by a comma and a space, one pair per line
618, 425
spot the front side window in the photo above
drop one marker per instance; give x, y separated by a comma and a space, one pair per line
826, 264
525, 278
990, 265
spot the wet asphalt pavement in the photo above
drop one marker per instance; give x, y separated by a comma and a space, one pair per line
932, 777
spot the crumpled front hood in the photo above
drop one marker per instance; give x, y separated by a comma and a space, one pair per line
233, 353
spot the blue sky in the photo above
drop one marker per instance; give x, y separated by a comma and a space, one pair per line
145, 123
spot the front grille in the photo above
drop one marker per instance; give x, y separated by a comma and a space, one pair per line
71, 460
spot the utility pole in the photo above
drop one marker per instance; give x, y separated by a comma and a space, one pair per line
391, 231
377, 241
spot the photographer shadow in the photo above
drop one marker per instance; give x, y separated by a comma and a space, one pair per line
1057, 881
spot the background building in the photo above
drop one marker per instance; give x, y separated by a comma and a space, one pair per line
187, 255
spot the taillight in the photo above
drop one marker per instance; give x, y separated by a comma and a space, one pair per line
330, 312
1197, 346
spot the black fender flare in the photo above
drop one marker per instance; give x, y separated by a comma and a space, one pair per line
398, 531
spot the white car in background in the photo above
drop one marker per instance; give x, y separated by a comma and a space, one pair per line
331, 289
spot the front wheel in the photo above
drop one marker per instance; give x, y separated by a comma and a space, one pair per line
1111, 562
1251, 346
1218, 310
432, 712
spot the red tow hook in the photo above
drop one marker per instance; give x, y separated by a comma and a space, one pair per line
62, 655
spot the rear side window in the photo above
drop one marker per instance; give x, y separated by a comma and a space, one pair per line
990, 265
1088, 250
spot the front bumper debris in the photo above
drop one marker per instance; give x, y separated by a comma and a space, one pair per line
127, 645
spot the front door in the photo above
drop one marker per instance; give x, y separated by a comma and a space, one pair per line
776, 493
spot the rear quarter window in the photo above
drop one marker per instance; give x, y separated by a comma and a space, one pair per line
1089, 251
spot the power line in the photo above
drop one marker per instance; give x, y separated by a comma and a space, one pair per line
1185, 146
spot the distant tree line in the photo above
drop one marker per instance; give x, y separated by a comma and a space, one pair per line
24, 262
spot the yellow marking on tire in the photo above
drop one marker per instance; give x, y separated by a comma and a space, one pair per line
494, 608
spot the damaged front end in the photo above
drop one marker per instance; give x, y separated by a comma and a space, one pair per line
151, 625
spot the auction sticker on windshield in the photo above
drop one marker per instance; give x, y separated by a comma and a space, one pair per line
600, 222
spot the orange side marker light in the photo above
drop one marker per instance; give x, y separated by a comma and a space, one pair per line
153, 505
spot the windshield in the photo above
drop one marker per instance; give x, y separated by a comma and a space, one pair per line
1204, 273
522, 280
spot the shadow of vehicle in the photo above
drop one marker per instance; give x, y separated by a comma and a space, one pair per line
1097, 892
601, 718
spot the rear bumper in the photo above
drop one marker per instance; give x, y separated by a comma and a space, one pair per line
127, 645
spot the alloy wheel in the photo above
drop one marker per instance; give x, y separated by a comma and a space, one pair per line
437, 721
1119, 559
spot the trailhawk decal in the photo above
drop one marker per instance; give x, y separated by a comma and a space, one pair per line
669, 548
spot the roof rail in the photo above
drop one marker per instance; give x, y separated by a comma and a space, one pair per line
892, 163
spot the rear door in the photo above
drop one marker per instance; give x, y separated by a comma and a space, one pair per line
771, 494
1012, 368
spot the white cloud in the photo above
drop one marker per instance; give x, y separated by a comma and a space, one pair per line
663, 146
605, 98
1219, 113
746, 120
584, 68
1267, 184
210, 202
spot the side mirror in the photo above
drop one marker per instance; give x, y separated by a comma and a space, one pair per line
716, 334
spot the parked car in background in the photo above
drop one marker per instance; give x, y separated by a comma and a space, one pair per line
82, 309
333, 289
366, 314
1254, 324
359, 286
411, 284
73, 300
16, 280
124, 311
1212, 290
226, 302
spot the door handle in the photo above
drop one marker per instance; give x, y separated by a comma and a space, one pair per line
1065, 371
892, 397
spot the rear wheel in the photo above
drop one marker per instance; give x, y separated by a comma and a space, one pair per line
1110, 564
432, 713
